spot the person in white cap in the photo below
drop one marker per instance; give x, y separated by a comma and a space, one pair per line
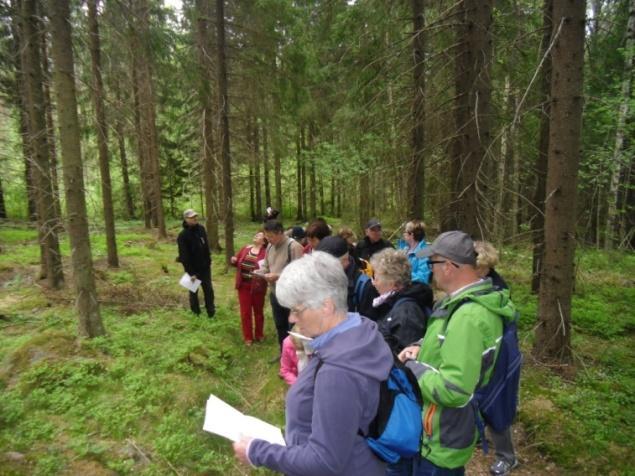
195, 256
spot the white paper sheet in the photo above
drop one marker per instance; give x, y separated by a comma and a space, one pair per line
187, 283
224, 420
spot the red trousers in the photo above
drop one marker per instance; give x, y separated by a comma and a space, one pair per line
251, 303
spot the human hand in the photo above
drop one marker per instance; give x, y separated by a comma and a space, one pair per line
240, 449
233, 260
409, 353
193, 277
272, 277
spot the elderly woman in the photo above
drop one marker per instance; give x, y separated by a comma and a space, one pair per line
414, 240
402, 305
336, 395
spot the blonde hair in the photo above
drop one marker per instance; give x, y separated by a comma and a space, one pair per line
486, 255
348, 234
393, 265
417, 229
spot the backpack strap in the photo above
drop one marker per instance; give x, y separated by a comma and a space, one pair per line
360, 286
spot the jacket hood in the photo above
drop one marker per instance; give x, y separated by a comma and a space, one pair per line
495, 300
359, 349
422, 293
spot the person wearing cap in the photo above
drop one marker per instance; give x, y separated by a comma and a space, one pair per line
195, 256
361, 292
457, 354
372, 242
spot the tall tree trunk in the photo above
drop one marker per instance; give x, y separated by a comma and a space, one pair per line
277, 168
620, 163
38, 145
50, 124
3, 208
298, 143
312, 173
148, 117
265, 163
252, 195
90, 324
332, 199
102, 134
321, 194
473, 93
224, 121
553, 333
123, 157
537, 221
203, 22
417, 174
255, 157
141, 143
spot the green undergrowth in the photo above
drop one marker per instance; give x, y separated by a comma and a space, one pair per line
132, 402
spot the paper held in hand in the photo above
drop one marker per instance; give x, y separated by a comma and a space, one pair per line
187, 283
224, 420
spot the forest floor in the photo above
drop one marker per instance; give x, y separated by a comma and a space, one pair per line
132, 402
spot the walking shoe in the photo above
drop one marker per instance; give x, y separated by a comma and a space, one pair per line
502, 467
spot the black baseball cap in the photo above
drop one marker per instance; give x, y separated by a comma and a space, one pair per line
333, 245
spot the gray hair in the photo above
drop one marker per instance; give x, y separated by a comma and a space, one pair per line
312, 279
393, 266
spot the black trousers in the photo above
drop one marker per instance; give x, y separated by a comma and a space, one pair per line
280, 317
208, 294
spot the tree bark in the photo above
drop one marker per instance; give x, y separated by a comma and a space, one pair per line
38, 145
3, 208
553, 333
224, 121
255, 157
102, 134
90, 324
312, 174
123, 156
416, 192
537, 221
265, 163
298, 147
203, 22
620, 163
148, 117
473, 93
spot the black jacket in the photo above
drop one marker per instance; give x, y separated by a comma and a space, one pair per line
404, 321
194, 252
365, 249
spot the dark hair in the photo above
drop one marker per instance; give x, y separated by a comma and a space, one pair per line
264, 237
318, 228
417, 229
271, 214
274, 226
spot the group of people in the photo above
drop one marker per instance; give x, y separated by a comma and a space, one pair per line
355, 306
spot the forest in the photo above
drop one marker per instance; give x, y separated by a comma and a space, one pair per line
511, 120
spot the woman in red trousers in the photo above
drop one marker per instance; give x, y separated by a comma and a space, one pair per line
251, 288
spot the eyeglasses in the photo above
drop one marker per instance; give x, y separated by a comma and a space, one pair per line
432, 262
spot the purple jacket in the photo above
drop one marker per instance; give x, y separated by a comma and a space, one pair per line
325, 411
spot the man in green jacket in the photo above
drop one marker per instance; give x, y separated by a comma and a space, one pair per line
457, 353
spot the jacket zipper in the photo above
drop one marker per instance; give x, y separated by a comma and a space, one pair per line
427, 419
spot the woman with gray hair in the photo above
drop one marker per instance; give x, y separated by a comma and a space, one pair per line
336, 396
403, 306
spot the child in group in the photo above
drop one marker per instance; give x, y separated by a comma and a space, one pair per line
293, 358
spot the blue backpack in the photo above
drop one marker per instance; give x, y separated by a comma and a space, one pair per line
397, 429
497, 402
360, 286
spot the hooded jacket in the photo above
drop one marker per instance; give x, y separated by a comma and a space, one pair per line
458, 353
404, 316
194, 252
325, 409
420, 269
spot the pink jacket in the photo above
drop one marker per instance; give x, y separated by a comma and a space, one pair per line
288, 361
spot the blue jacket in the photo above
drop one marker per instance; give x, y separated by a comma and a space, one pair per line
420, 269
325, 410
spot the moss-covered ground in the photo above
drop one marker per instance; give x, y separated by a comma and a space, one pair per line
132, 402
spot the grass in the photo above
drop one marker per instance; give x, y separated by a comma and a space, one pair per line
132, 402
